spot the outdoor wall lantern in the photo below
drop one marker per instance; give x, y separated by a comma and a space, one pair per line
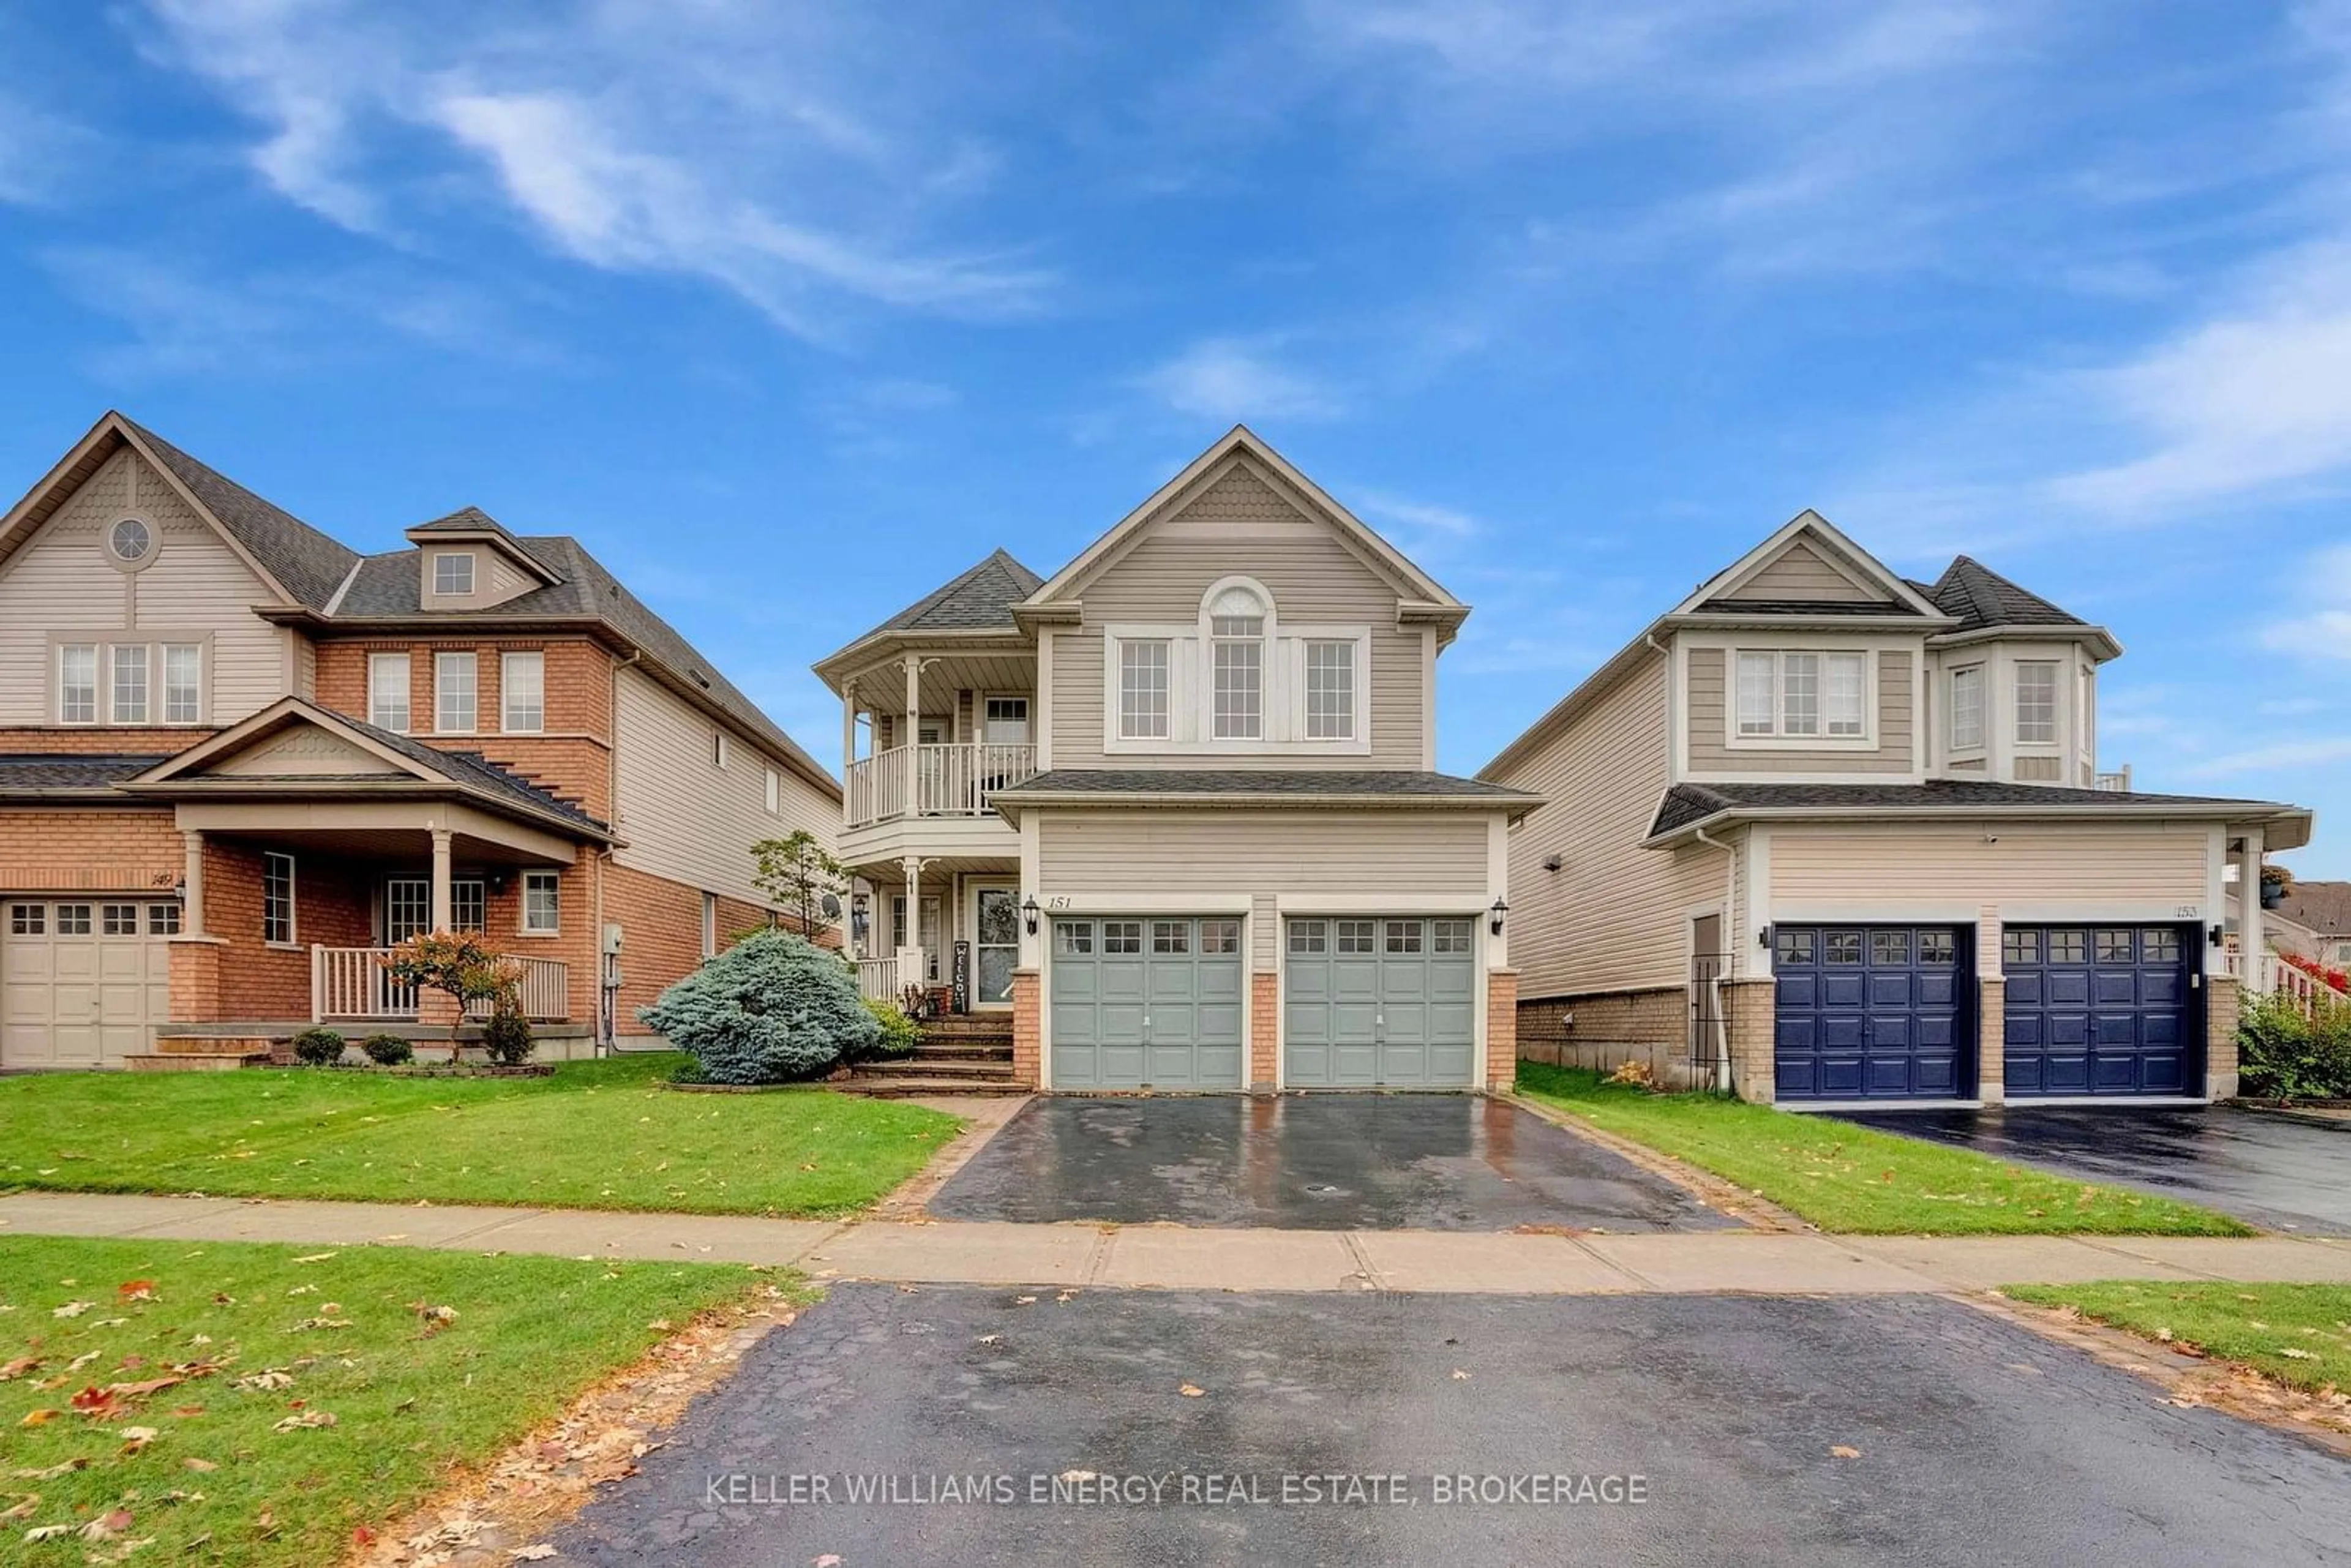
1763, 936
2213, 934
1028, 913
1499, 910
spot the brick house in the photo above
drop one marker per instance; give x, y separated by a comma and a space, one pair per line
238, 759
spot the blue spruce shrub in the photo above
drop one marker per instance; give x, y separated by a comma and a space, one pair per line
769, 1010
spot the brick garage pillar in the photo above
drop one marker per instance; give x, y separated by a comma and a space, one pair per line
195, 979
1502, 1030
1991, 1039
1028, 1034
1748, 1018
1265, 1030
2222, 997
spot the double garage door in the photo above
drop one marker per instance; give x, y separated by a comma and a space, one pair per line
83, 982
1888, 1012
1161, 1002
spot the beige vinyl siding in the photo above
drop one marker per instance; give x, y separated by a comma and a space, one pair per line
1894, 863
1802, 572
1350, 854
684, 817
64, 584
1612, 918
1709, 752
1240, 526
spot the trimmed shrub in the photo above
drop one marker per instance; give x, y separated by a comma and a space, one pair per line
2282, 1055
899, 1032
317, 1048
388, 1050
507, 1036
772, 1008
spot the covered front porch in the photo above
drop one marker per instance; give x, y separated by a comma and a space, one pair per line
946, 926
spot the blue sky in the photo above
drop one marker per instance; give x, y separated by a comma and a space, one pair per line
791, 313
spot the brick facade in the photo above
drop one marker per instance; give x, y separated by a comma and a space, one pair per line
2223, 999
1991, 1039
98, 740
333, 907
98, 849
1606, 1030
1749, 1009
1502, 1030
1265, 1032
1028, 1034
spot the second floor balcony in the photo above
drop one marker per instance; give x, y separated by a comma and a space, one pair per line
956, 780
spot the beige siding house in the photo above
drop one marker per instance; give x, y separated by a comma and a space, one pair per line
1172, 815
1825, 835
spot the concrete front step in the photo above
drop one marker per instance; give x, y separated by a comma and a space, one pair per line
901, 1088
935, 1067
230, 1045
960, 1051
209, 1061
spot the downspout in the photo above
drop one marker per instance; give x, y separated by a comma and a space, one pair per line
608, 1021
1714, 985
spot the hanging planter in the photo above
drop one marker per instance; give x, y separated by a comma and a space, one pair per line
2276, 882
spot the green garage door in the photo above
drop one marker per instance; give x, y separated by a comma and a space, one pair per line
1382, 1003
1152, 1002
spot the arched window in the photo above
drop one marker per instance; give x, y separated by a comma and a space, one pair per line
1236, 614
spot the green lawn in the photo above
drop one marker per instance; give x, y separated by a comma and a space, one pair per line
2299, 1334
235, 1461
597, 1134
1853, 1179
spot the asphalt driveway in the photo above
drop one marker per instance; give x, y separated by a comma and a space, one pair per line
2265, 1170
1861, 1430
1325, 1162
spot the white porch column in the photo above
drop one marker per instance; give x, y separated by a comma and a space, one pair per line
2253, 941
443, 914
848, 726
911, 970
914, 701
192, 912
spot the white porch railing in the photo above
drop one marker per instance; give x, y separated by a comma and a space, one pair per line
2269, 973
348, 985
877, 978
956, 780
2119, 783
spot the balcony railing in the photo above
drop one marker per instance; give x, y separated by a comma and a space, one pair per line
933, 781
2272, 974
877, 979
348, 985
2119, 783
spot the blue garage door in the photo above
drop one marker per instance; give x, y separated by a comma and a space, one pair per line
1874, 1012
2099, 1010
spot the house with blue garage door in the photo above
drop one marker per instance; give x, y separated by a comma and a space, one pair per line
1825, 835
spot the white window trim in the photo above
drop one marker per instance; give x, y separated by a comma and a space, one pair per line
100, 697
507, 724
523, 925
2055, 745
439, 727
163, 679
979, 714
1951, 741
293, 937
1776, 741
472, 573
115, 662
408, 699
1191, 693
722, 751
775, 793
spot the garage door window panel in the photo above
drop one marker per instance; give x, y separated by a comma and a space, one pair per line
28, 920
73, 919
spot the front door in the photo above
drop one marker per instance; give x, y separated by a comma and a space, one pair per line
995, 944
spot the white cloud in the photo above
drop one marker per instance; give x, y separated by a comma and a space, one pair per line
2260, 759
2322, 627
1382, 508
704, 140
1236, 381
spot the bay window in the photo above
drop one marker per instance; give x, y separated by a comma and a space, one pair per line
1968, 709
2036, 702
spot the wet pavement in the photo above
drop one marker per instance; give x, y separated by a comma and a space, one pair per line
1329, 1162
2265, 1170
1861, 1431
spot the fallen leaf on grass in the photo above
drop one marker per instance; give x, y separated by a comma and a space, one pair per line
314, 1258
71, 1309
308, 1418
48, 1531
19, 1368
25, 1506
136, 1289
39, 1417
200, 1466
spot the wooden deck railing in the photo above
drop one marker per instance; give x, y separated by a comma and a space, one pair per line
348, 985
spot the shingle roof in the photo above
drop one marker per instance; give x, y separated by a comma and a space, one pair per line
980, 600
2323, 907
473, 520
1686, 803
1981, 598
36, 773
1302, 782
309, 564
1804, 607
388, 587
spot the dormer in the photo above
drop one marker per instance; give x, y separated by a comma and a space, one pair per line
468, 562
2011, 693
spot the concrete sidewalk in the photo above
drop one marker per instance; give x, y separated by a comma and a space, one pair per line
1173, 1258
